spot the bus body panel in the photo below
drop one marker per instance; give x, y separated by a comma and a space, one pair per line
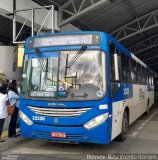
120, 101
136, 102
131, 96
64, 121
73, 127
150, 91
98, 135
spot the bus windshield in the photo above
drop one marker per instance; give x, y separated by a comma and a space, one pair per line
72, 75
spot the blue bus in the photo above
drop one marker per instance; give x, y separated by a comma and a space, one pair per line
82, 87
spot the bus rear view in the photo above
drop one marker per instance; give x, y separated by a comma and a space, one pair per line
64, 89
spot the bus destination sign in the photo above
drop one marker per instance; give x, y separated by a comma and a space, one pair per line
64, 40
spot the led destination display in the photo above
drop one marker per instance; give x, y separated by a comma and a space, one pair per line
64, 40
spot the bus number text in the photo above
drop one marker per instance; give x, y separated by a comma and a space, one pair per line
38, 118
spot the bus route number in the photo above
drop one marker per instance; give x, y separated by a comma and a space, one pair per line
38, 118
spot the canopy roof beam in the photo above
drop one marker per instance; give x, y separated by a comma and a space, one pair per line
148, 54
137, 26
145, 45
152, 57
76, 12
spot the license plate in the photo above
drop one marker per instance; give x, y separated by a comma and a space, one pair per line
58, 134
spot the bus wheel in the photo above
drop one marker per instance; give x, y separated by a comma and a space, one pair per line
147, 109
125, 123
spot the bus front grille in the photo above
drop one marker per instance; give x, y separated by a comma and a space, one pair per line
59, 112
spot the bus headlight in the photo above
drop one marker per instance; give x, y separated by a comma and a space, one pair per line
25, 118
96, 121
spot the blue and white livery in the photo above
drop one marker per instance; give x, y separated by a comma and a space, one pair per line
82, 87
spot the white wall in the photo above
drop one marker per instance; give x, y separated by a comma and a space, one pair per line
6, 63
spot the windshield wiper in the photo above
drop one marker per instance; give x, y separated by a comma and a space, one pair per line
41, 61
76, 56
74, 59
43, 65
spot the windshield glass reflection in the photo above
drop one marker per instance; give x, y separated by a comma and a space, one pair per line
82, 75
78, 75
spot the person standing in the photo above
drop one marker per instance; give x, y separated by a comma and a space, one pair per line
3, 110
14, 101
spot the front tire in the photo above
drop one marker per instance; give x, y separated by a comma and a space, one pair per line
125, 123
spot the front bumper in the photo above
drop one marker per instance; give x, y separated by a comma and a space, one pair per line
74, 134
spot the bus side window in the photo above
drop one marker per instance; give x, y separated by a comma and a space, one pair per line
139, 74
125, 63
147, 76
152, 79
114, 69
134, 71
143, 75
25, 75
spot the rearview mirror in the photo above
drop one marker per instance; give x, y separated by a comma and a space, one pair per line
116, 67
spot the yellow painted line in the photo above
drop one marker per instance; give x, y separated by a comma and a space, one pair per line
4, 133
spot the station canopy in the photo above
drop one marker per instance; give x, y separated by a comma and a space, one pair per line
132, 22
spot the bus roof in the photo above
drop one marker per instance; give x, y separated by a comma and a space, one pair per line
127, 51
138, 60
